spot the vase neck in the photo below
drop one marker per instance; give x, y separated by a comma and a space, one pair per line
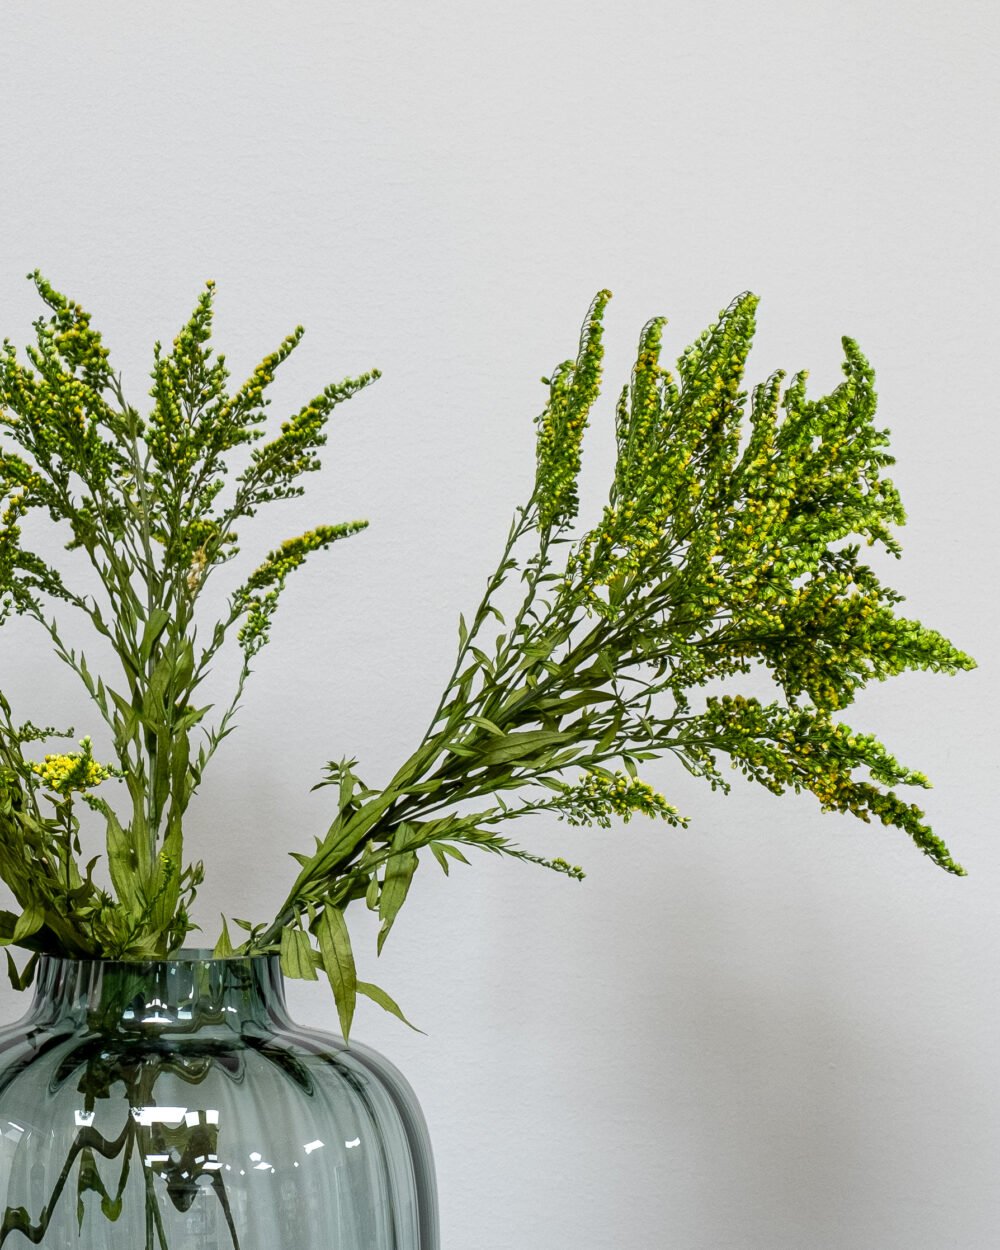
189, 991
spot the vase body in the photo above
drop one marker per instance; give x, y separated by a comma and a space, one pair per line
173, 1105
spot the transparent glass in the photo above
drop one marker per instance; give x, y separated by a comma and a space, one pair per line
173, 1105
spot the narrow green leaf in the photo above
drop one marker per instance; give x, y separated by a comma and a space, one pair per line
539, 650
608, 740
88, 680
484, 660
184, 666
453, 851
521, 745
122, 862
583, 699
422, 787
127, 727
29, 922
338, 960
346, 786
161, 769
398, 875
180, 759
12, 972
155, 694
224, 946
297, 955
21, 980
165, 886
484, 723
388, 1004
28, 971
154, 628
192, 718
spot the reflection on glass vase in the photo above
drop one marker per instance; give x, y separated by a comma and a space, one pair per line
173, 1105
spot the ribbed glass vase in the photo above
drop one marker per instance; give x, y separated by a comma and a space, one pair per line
173, 1105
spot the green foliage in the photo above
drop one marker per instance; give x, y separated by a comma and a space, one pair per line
145, 500
729, 545
724, 550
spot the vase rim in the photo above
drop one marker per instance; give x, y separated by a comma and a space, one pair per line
186, 955
180, 992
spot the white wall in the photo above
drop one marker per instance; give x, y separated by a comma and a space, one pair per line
778, 1030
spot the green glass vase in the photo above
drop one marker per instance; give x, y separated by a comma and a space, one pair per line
174, 1105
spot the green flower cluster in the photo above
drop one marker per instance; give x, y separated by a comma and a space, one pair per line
602, 794
573, 388
270, 576
802, 748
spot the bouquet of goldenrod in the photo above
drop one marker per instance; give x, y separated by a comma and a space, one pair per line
729, 545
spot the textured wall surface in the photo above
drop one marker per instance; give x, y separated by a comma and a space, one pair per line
777, 1030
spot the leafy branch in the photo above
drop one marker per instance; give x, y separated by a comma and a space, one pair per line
144, 499
724, 549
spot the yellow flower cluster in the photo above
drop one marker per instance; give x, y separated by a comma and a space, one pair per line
64, 774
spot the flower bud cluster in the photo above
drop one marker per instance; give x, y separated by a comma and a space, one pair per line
601, 795
573, 388
64, 774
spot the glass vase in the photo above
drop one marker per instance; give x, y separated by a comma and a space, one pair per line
174, 1105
